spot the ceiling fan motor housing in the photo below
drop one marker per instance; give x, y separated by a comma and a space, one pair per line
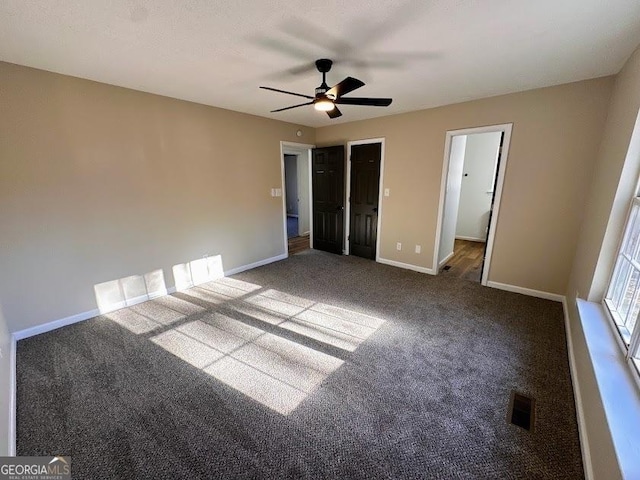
323, 65
321, 90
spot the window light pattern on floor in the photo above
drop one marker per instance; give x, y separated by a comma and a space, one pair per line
203, 326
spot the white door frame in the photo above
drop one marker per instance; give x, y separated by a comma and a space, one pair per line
348, 190
292, 148
504, 155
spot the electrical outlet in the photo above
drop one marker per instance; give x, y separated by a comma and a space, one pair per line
418, 248
398, 246
386, 192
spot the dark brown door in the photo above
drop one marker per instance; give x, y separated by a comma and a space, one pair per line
328, 199
365, 181
493, 199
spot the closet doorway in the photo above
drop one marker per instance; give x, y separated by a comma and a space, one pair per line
296, 172
471, 190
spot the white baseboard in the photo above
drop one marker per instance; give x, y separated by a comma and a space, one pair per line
526, 291
445, 260
47, 327
260, 263
12, 397
471, 239
79, 317
119, 305
406, 266
577, 397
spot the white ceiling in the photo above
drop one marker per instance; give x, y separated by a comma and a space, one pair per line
421, 53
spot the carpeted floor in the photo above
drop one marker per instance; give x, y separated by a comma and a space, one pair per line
318, 366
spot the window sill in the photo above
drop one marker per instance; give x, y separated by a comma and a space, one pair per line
617, 386
615, 318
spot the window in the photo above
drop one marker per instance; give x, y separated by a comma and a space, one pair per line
623, 297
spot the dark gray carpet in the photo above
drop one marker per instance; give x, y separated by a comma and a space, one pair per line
418, 391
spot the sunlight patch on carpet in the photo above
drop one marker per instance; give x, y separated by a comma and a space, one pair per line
328, 324
275, 371
272, 370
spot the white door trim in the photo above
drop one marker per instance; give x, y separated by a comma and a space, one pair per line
380, 192
506, 128
292, 148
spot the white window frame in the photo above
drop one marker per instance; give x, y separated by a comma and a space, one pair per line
630, 340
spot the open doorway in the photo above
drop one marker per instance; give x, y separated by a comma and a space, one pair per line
473, 174
296, 172
294, 221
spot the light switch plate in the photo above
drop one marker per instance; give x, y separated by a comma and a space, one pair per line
386, 192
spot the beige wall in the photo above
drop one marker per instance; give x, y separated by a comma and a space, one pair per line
614, 181
556, 134
99, 182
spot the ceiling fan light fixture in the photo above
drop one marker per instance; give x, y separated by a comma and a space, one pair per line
324, 105
326, 98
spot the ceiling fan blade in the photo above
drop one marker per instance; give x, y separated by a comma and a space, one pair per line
316, 36
369, 102
283, 47
292, 106
288, 93
288, 72
347, 85
307, 67
335, 113
394, 58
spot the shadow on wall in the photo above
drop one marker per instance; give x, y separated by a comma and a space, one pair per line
240, 333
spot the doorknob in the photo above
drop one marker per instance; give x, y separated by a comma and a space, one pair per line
339, 207
375, 209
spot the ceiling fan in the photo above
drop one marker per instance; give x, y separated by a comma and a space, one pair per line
326, 99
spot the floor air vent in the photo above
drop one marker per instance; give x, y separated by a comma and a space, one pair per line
447, 267
521, 410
